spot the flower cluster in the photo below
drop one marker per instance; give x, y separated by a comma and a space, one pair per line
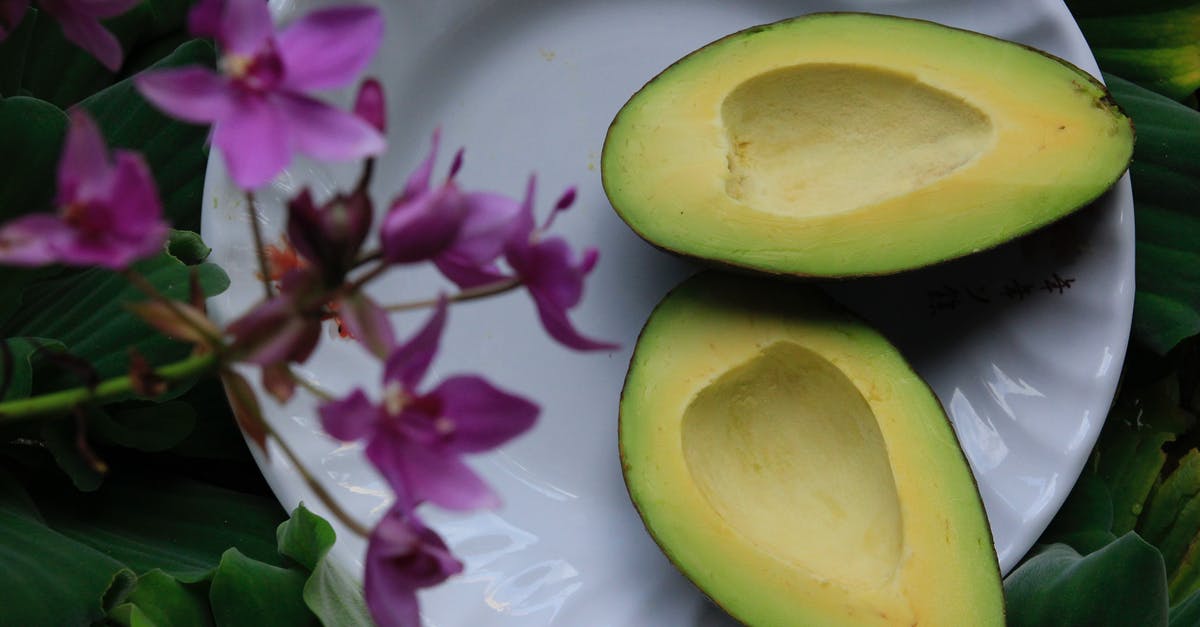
263, 112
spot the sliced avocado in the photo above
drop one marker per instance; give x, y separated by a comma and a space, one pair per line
854, 144
789, 462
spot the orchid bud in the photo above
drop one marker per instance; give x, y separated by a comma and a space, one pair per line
371, 104
329, 236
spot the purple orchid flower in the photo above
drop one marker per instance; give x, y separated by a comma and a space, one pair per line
416, 439
463, 233
259, 105
110, 212
403, 555
80, 23
329, 236
547, 268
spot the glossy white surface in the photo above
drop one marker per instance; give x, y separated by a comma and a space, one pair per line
1026, 377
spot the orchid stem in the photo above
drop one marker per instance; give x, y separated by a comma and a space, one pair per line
351, 523
58, 403
260, 249
371, 275
312, 388
148, 288
474, 293
365, 178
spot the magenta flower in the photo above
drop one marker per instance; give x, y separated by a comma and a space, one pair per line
329, 236
371, 105
463, 233
80, 23
549, 271
403, 556
416, 439
259, 104
109, 216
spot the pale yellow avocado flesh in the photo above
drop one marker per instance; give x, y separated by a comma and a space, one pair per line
789, 462
854, 144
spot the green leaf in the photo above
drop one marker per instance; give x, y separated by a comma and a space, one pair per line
1166, 183
33, 133
331, 594
47, 578
1187, 613
85, 311
23, 352
248, 592
13, 50
176, 152
187, 247
59, 437
160, 600
1172, 516
1085, 521
146, 427
1156, 44
179, 526
1120, 585
59, 71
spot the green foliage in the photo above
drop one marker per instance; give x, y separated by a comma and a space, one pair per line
249, 593
1119, 585
330, 592
33, 132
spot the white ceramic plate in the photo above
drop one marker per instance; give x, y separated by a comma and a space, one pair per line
1023, 344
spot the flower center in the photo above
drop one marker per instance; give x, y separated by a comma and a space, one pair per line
395, 397
261, 71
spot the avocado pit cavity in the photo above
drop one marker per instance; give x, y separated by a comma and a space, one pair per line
784, 447
826, 138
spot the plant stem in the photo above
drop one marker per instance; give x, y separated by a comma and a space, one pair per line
147, 288
474, 293
58, 403
260, 249
312, 388
351, 523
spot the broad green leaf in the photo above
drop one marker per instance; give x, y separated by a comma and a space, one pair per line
254, 594
1166, 182
215, 440
1129, 456
61, 72
12, 288
47, 577
144, 426
1119, 585
60, 437
1187, 613
1154, 43
32, 132
13, 51
1172, 517
23, 352
175, 151
331, 594
1085, 520
85, 311
179, 526
159, 600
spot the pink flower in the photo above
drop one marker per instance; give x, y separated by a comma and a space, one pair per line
461, 232
109, 216
259, 104
80, 23
330, 235
403, 556
416, 439
549, 271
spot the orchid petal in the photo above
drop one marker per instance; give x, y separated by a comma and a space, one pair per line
548, 269
136, 209
204, 20
254, 141
483, 416
303, 226
403, 556
487, 223
390, 605
408, 363
422, 227
108, 8
84, 171
88, 33
328, 133
523, 223
418, 181
11, 14
556, 323
29, 240
274, 331
368, 323
331, 47
427, 475
245, 26
564, 202
351, 418
465, 273
192, 94
371, 104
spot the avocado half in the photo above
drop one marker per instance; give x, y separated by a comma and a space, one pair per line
844, 144
789, 461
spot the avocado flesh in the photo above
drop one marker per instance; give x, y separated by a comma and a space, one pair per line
856, 144
795, 468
